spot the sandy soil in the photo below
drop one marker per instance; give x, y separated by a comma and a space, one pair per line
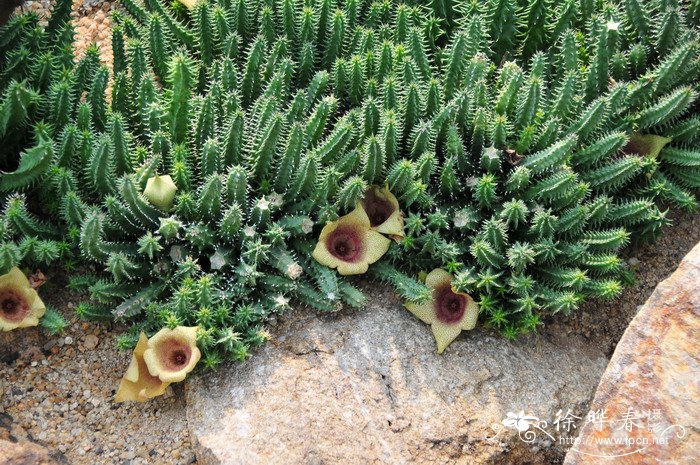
603, 322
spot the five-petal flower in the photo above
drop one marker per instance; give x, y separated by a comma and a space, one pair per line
138, 384
349, 244
448, 312
20, 305
383, 211
172, 353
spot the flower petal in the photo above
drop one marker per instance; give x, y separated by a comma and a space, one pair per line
357, 218
393, 226
438, 278
38, 307
347, 268
138, 384
14, 276
6, 325
424, 312
376, 246
324, 257
132, 372
471, 314
444, 334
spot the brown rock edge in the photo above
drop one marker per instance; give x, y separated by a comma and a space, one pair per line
24, 453
650, 392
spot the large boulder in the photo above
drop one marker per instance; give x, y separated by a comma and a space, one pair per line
368, 387
653, 380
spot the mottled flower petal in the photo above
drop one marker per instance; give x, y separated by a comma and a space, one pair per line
323, 256
172, 353
438, 278
376, 246
347, 269
138, 384
20, 305
471, 315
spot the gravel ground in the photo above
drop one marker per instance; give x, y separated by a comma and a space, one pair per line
92, 22
58, 391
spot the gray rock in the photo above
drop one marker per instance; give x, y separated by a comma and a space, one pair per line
368, 387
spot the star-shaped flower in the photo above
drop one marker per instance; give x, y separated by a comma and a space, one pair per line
613, 25
349, 244
20, 305
448, 312
281, 302
138, 384
383, 211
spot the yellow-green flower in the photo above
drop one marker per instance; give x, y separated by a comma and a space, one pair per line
160, 191
349, 244
138, 384
647, 145
20, 305
448, 312
383, 211
189, 3
172, 353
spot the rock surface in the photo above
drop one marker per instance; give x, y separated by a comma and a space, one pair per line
368, 387
654, 380
24, 453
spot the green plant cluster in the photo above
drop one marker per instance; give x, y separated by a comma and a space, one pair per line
527, 143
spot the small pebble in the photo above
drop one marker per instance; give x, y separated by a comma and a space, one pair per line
91, 341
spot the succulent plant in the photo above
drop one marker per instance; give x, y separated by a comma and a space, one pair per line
526, 145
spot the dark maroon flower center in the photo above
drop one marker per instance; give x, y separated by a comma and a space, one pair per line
450, 307
175, 354
377, 207
13, 307
637, 146
345, 244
